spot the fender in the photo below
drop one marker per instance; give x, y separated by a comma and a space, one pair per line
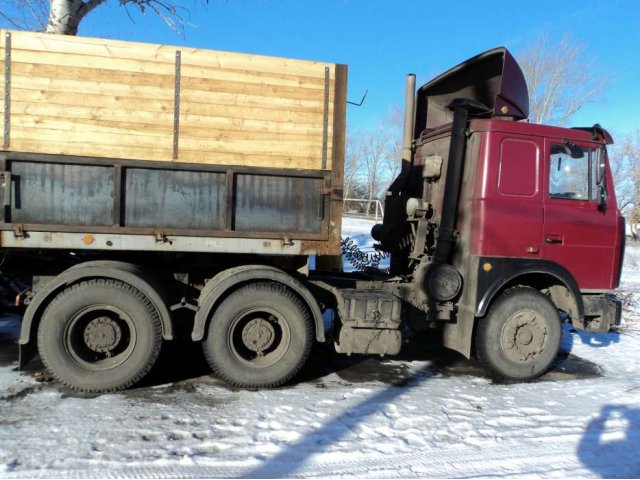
216, 287
505, 270
125, 272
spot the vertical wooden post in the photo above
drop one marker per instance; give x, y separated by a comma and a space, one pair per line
7, 90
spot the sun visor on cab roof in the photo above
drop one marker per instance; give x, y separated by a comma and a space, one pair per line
492, 78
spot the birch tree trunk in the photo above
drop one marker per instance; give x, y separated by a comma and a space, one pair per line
66, 15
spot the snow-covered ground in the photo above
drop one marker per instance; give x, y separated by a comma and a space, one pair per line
430, 414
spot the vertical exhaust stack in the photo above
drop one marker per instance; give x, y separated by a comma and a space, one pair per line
409, 117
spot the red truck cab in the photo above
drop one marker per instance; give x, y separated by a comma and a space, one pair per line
505, 228
546, 192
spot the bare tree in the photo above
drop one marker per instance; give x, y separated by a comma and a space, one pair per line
625, 165
373, 159
25, 14
352, 164
561, 78
392, 124
64, 16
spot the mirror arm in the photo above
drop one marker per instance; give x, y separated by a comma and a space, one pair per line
602, 206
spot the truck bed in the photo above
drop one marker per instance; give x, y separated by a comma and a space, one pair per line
128, 146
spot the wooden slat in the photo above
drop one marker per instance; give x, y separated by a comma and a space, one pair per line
94, 75
164, 53
95, 114
207, 125
148, 67
64, 100
92, 80
250, 113
205, 84
302, 148
81, 148
249, 125
103, 136
263, 101
268, 161
68, 132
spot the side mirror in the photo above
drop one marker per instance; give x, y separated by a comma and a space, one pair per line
602, 189
602, 170
602, 193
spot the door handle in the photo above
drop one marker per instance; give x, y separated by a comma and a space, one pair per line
553, 240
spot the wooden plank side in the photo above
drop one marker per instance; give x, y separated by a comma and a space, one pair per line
166, 53
201, 126
78, 96
200, 98
102, 137
93, 80
144, 66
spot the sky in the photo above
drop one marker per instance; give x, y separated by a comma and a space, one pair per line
382, 41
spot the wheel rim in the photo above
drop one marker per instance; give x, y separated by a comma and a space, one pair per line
100, 337
259, 337
524, 336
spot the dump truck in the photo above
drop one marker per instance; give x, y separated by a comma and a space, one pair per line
155, 192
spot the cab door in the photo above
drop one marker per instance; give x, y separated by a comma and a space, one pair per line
579, 232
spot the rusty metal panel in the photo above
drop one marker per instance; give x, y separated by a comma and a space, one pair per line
174, 199
148, 243
278, 203
59, 194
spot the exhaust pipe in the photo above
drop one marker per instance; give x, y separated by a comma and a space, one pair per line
409, 117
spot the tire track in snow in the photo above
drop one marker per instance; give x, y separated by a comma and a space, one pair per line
447, 462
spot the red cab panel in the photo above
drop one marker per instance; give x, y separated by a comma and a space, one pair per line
508, 208
580, 233
546, 193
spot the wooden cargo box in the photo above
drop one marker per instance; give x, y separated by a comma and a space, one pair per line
106, 98
106, 137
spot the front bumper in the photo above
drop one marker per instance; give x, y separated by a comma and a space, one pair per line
602, 312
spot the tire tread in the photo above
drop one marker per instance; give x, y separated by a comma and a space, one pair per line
278, 290
105, 283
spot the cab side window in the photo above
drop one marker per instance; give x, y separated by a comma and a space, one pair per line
573, 172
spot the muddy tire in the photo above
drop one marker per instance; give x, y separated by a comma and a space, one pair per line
520, 337
99, 335
259, 336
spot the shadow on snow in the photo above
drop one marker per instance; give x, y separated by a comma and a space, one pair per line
609, 446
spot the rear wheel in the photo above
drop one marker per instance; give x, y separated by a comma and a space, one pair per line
520, 337
99, 335
259, 336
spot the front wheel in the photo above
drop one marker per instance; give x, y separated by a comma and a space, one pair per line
259, 336
520, 337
